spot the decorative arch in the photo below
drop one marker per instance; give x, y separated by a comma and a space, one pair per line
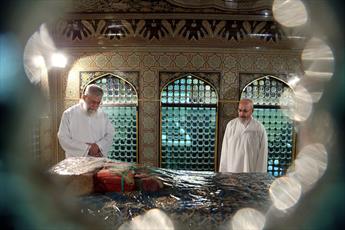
120, 102
270, 94
188, 124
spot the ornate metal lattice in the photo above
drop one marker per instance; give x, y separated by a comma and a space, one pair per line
268, 95
169, 29
189, 110
120, 103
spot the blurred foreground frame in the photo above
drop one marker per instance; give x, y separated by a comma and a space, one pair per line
29, 199
324, 206
39, 205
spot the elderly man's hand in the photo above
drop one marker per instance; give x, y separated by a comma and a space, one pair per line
94, 150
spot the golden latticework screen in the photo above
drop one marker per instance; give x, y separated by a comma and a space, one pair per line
270, 95
120, 102
188, 129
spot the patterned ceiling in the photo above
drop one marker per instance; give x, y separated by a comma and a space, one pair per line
240, 7
203, 23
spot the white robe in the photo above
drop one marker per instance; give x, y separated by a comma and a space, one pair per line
77, 128
244, 149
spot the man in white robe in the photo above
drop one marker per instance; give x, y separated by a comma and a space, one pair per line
84, 129
244, 147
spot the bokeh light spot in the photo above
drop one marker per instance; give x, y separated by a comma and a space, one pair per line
289, 13
248, 218
58, 60
153, 219
38, 48
298, 105
318, 64
285, 192
310, 165
318, 59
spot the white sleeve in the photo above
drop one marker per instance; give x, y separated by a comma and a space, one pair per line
105, 143
224, 155
72, 147
261, 165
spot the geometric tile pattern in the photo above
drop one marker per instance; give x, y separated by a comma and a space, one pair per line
222, 68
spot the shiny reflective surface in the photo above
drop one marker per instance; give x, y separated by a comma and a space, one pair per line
190, 200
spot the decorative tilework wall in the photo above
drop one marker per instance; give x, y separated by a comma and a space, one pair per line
150, 62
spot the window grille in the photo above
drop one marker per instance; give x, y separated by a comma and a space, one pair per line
269, 96
188, 128
120, 102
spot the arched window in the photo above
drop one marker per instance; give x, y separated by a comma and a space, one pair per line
120, 102
270, 95
188, 128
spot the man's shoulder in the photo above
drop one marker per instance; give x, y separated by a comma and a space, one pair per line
259, 124
257, 121
233, 121
72, 108
102, 113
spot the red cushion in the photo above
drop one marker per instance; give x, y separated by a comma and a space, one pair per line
108, 181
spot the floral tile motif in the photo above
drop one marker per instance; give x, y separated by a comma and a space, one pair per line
116, 60
84, 61
164, 61
181, 61
148, 122
153, 30
133, 60
149, 138
149, 76
230, 61
100, 61
149, 154
149, 60
247, 62
150, 108
197, 61
262, 63
214, 61
193, 30
149, 92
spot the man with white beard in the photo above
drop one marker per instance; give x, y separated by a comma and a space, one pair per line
85, 130
244, 147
